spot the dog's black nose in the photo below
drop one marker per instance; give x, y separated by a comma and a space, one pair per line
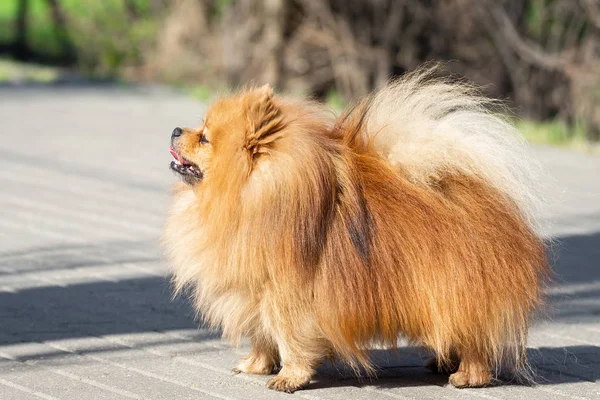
176, 132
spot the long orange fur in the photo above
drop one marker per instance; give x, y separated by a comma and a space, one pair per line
305, 238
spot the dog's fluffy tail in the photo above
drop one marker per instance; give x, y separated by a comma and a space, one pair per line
431, 126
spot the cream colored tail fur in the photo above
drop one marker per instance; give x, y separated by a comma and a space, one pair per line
433, 126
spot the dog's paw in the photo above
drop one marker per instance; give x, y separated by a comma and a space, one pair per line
463, 379
255, 364
286, 384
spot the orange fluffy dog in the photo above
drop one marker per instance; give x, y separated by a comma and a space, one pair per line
413, 215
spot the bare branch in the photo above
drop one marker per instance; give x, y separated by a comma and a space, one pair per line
528, 51
592, 8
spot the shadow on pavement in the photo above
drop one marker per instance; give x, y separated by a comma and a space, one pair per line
577, 258
92, 309
551, 366
576, 261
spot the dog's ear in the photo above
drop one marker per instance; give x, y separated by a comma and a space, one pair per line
265, 121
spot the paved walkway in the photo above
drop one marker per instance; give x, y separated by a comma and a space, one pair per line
85, 309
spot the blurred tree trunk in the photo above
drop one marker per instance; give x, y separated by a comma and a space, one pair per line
59, 19
157, 7
273, 40
58, 15
20, 46
131, 9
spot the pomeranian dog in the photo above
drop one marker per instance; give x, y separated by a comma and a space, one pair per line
413, 215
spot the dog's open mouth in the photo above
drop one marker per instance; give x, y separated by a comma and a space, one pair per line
184, 167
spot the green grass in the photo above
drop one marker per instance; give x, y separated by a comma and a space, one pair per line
14, 71
558, 134
335, 101
555, 133
201, 93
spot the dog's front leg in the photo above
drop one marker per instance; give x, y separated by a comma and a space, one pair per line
263, 359
301, 345
296, 371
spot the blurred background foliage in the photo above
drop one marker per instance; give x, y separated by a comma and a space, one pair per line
543, 55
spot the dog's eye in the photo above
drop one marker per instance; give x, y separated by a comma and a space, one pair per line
203, 138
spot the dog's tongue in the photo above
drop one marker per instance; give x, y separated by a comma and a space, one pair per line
176, 155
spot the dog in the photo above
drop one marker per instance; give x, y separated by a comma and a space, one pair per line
412, 215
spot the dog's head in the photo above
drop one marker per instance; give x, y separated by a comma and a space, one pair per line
235, 133
242, 133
